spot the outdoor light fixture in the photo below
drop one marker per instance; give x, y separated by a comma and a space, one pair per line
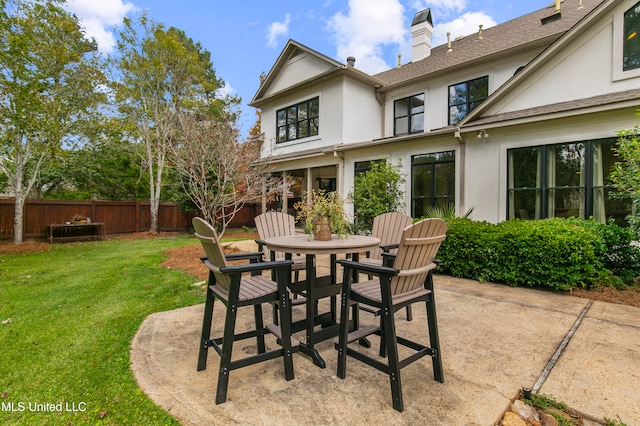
482, 134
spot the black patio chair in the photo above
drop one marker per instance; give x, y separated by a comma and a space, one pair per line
409, 281
227, 284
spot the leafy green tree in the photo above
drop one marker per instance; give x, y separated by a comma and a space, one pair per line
162, 75
377, 191
101, 171
50, 77
625, 174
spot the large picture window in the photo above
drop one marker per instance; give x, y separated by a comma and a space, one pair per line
298, 121
409, 115
464, 97
433, 181
631, 42
564, 180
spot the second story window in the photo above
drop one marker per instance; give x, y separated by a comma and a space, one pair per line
298, 121
409, 115
464, 97
631, 42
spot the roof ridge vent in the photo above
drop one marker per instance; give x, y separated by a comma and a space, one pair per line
555, 16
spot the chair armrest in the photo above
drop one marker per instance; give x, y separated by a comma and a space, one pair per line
244, 256
368, 267
388, 247
237, 256
253, 267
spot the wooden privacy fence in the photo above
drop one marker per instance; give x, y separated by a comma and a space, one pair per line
119, 217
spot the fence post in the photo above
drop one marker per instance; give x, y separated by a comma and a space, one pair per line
137, 216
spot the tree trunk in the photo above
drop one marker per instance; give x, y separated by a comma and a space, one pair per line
18, 190
154, 200
17, 218
153, 206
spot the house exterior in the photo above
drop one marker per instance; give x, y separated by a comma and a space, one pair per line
515, 121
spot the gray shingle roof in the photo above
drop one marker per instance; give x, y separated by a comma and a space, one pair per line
579, 104
520, 33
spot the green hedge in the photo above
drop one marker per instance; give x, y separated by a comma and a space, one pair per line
556, 253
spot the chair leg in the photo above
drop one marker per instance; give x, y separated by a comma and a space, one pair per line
434, 339
383, 344
225, 357
344, 328
206, 330
393, 358
257, 311
285, 328
409, 313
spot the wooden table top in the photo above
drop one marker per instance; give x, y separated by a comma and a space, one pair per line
300, 244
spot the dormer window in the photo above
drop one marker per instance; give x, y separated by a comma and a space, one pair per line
631, 42
298, 121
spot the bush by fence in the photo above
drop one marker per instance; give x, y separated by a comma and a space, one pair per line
556, 253
119, 217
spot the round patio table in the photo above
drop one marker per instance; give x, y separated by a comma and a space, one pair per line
319, 287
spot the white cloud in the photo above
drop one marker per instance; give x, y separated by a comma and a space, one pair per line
368, 26
97, 18
464, 25
277, 29
226, 90
443, 9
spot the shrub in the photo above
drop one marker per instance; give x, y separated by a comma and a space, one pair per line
375, 192
554, 253
619, 248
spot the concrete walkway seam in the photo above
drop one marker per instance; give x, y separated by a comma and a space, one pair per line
561, 348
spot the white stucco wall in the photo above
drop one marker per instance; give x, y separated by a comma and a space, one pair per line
583, 69
437, 90
362, 112
300, 67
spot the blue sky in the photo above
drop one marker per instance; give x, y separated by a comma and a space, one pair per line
245, 37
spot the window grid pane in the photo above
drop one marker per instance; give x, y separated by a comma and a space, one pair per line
464, 97
564, 180
408, 115
432, 181
631, 42
298, 121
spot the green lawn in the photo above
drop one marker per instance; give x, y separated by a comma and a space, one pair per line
74, 310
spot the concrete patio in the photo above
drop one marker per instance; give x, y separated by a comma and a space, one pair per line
495, 340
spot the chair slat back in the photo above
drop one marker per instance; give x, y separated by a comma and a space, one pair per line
388, 227
274, 224
419, 245
211, 243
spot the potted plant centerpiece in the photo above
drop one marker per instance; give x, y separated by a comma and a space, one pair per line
323, 215
78, 219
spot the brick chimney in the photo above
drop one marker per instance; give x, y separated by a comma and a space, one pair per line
421, 32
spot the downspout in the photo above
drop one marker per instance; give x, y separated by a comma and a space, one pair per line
339, 173
381, 101
461, 142
285, 189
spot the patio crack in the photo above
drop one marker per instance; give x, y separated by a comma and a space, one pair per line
561, 348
